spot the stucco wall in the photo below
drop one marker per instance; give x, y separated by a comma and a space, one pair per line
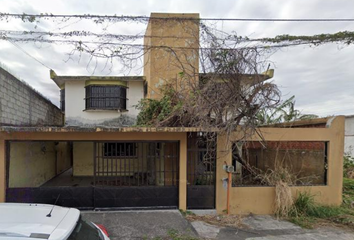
21, 105
75, 114
83, 158
34, 163
63, 151
31, 163
164, 66
260, 200
349, 136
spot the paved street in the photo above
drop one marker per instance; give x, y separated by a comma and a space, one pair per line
141, 224
162, 223
268, 228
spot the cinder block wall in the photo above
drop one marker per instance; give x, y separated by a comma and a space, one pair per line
21, 105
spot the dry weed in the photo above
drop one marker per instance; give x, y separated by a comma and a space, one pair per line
219, 220
281, 178
283, 199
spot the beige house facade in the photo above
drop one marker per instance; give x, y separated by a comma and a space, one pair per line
100, 160
35, 160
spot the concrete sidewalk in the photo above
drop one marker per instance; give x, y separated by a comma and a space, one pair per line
161, 224
269, 228
142, 224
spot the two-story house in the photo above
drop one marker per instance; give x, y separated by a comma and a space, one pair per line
99, 160
99, 101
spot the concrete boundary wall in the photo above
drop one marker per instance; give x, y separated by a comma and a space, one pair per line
20, 105
260, 200
257, 200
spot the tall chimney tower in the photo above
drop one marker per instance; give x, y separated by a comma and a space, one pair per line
171, 52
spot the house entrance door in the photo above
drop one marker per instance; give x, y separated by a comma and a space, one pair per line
201, 166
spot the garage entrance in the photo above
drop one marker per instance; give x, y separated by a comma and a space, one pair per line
97, 175
136, 174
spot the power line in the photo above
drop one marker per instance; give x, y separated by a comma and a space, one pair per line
12, 39
146, 18
3, 34
29, 54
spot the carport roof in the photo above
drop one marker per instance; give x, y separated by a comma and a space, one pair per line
100, 129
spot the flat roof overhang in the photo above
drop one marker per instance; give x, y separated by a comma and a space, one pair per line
77, 129
60, 80
245, 78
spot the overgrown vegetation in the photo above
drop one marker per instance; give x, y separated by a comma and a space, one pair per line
348, 167
307, 213
281, 178
225, 220
345, 37
186, 213
285, 112
153, 111
173, 234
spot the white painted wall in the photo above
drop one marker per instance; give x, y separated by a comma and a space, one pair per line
349, 135
75, 113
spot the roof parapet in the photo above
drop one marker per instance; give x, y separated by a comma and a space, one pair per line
269, 73
53, 75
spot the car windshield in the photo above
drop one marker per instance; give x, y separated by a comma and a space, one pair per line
85, 231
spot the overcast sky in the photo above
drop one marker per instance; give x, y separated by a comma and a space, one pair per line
321, 78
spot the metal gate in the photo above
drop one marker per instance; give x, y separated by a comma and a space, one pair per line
200, 175
136, 174
126, 175
77, 197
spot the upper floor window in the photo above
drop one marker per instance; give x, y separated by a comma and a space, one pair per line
62, 100
106, 97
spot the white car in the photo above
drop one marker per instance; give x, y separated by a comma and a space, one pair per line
42, 221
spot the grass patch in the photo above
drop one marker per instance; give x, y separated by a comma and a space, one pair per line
348, 193
186, 213
175, 235
228, 220
307, 213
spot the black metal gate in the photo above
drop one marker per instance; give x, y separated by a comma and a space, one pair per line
136, 174
201, 171
126, 175
77, 197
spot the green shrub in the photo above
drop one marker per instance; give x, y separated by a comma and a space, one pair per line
153, 111
304, 204
348, 192
348, 166
305, 211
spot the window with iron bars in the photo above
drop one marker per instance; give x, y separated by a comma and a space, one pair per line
62, 100
117, 149
106, 97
